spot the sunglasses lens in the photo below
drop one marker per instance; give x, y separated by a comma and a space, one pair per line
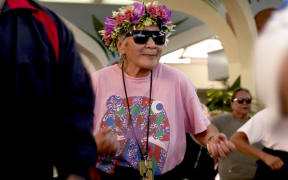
248, 101
140, 38
159, 38
240, 101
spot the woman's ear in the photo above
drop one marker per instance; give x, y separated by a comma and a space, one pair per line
121, 46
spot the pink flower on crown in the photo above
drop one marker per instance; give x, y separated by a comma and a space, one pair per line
119, 19
107, 41
161, 13
128, 15
153, 11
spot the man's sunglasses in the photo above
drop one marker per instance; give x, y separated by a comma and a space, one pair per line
141, 37
241, 100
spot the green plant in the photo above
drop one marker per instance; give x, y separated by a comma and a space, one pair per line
220, 99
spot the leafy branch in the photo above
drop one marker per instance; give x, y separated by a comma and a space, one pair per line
220, 99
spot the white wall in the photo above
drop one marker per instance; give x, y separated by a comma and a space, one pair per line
198, 73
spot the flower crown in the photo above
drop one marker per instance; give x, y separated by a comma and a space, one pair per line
137, 15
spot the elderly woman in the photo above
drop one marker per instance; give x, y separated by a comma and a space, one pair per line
148, 106
270, 125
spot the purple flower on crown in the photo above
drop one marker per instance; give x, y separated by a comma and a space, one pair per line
139, 11
110, 25
167, 14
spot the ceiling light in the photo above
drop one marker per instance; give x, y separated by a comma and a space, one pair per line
201, 49
173, 57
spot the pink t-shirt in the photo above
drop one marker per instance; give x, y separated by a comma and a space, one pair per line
175, 110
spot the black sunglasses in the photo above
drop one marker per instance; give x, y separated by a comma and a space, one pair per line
141, 37
241, 100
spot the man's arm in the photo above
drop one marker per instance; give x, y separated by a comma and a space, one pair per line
74, 104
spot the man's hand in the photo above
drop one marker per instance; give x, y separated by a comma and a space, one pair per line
106, 144
273, 162
219, 146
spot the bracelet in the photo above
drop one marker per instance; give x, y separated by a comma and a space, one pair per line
210, 139
207, 146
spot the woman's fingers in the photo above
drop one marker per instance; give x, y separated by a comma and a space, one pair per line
220, 146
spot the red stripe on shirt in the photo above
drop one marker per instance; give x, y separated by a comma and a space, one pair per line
14, 4
51, 30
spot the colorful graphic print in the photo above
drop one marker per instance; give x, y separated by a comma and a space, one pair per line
129, 153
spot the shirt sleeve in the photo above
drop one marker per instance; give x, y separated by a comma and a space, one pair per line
254, 128
196, 121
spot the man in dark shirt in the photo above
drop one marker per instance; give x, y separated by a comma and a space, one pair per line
50, 119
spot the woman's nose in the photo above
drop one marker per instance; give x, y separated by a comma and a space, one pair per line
150, 42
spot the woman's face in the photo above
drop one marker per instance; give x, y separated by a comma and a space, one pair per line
143, 56
241, 107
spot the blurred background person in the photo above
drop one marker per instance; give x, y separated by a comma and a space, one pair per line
236, 166
270, 125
